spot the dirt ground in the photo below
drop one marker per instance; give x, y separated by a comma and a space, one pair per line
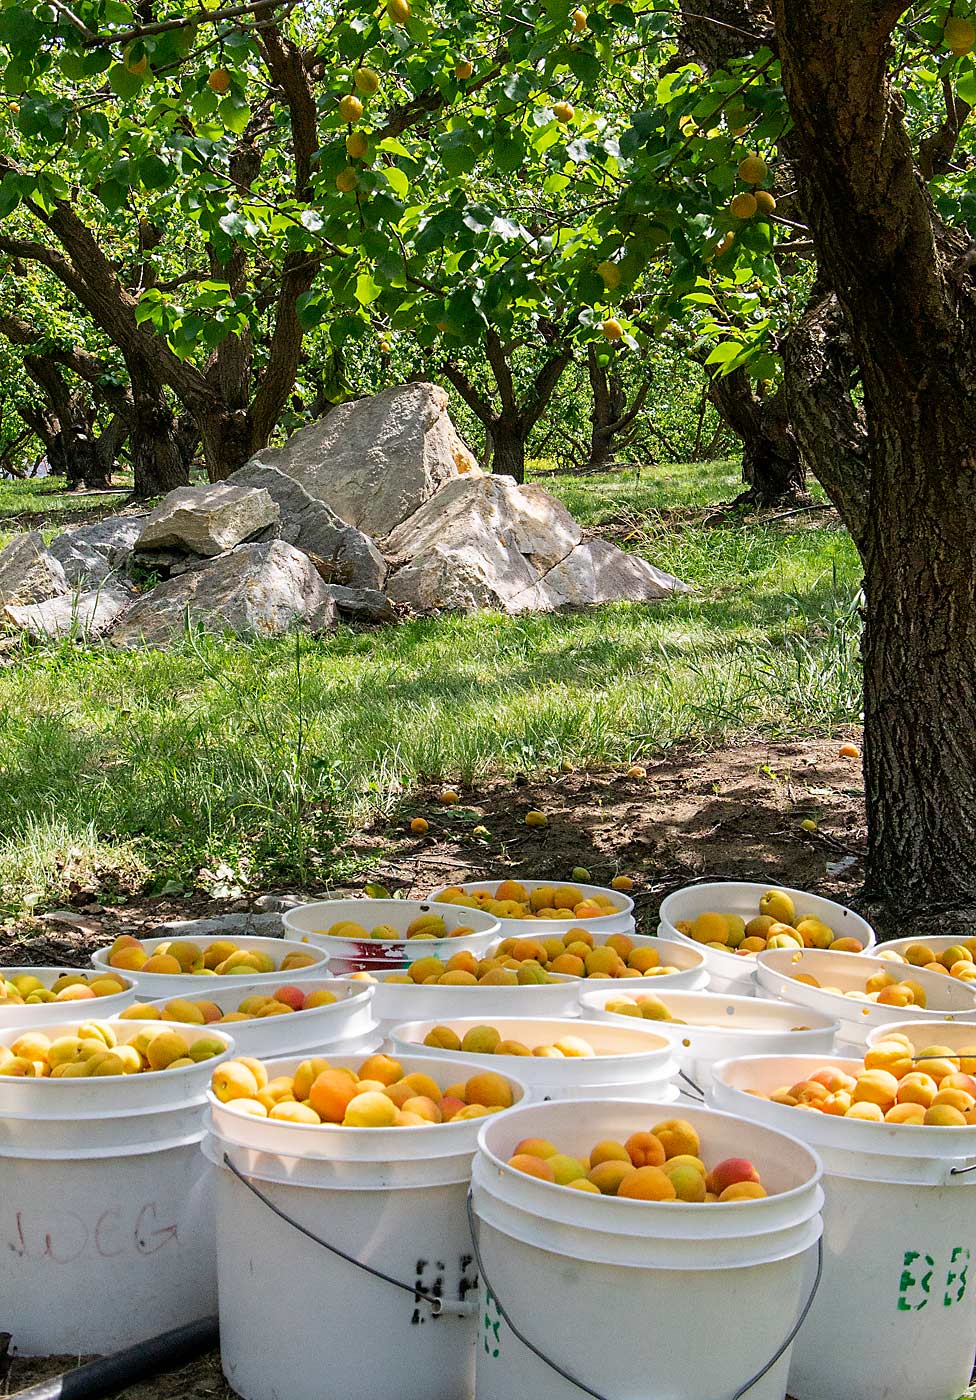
729, 813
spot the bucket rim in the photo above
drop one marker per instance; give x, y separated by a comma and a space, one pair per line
674, 1209
568, 1027
829, 1023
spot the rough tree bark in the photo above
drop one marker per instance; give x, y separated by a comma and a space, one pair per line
772, 467
510, 425
610, 415
904, 287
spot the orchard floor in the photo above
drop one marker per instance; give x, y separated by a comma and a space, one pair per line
732, 812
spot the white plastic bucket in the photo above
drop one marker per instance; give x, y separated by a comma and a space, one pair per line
50, 1013
947, 997
895, 1314
348, 1019
106, 1208
718, 1027
638, 1298
628, 1060
955, 1035
152, 985
394, 1002
308, 924
294, 1318
938, 944
622, 921
729, 972
689, 963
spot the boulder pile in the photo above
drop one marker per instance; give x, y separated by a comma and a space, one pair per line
376, 511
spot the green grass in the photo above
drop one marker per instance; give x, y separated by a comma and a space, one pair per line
262, 755
46, 495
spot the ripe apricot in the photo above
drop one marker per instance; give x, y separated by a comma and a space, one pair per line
443, 1038
532, 1165
608, 1176
489, 1090
370, 1110
645, 1150
743, 1191
687, 1180
678, 1138
944, 1115
609, 1151
422, 1084
649, 1184
536, 1147
911, 1113
291, 1112
331, 1093
872, 1112
232, 1080
480, 1040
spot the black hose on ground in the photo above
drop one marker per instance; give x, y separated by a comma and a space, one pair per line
110, 1374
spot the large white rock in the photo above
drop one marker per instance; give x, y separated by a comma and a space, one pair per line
374, 461
90, 553
255, 590
486, 542
207, 520
83, 615
352, 558
598, 572
29, 573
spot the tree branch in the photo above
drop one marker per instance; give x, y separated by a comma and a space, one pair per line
481, 409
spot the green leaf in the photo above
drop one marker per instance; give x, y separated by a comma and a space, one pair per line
375, 891
397, 180
725, 352
123, 81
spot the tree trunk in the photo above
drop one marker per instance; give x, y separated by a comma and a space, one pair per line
508, 448
772, 469
227, 439
157, 463
905, 292
919, 651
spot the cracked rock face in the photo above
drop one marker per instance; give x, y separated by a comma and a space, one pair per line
375, 461
257, 590
28, 572
207, 520
85, 615
486, 542
311, 526
91, 553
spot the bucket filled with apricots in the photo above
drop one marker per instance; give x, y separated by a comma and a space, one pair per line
556, 1059
341, 1095
704, 1027
274, 1020
927, 1091
371, 933
32, 995
103, 1074
543, 907
862, 992
735, 920
643, 1216
466, 985
172, 967
945, 955
576, 952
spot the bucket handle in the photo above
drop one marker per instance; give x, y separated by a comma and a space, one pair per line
438, 1306
596, 1394
691, 1083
